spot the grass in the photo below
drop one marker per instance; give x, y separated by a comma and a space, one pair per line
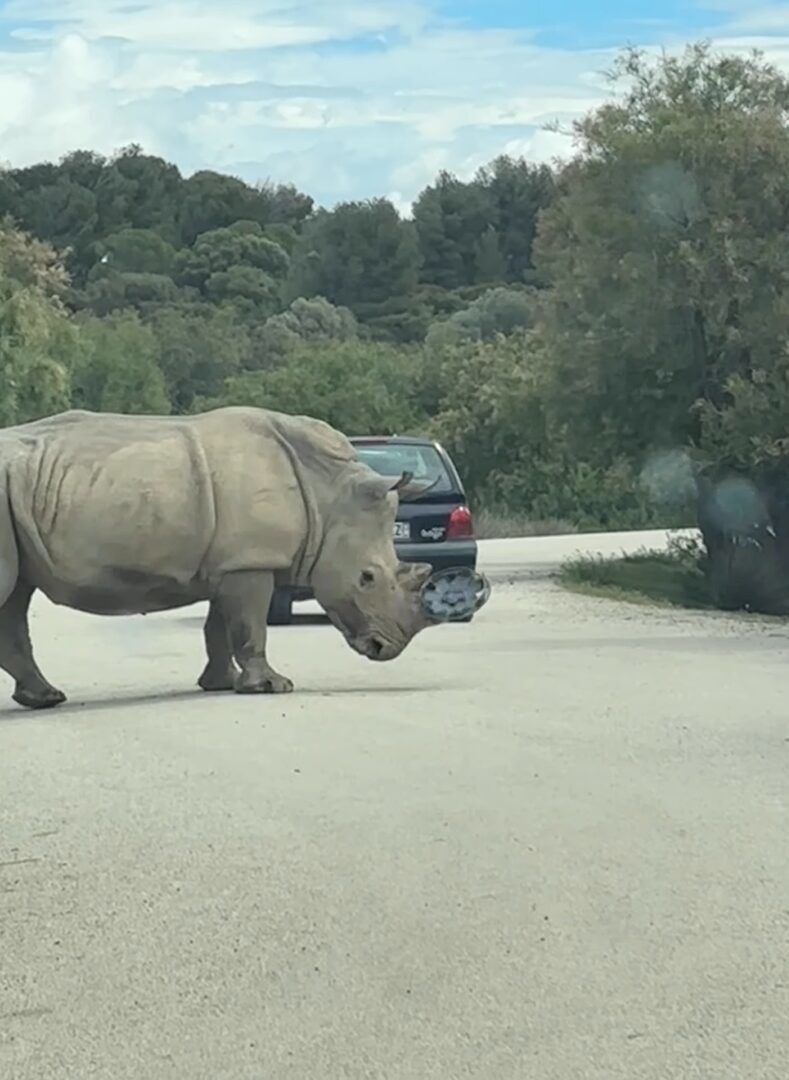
492, 524
496, 523
674, 577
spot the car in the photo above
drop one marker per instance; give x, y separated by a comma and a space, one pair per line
435, 528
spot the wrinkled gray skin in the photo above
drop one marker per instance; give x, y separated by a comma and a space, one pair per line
118, 515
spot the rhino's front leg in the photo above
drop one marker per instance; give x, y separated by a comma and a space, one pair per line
16, 654
220, 673
244, 598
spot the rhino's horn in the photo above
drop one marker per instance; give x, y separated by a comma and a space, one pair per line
402, 481
407, 488
374, 486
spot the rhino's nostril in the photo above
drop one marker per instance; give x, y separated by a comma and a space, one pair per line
376, 648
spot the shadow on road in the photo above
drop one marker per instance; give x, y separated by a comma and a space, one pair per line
298, 620
12, 711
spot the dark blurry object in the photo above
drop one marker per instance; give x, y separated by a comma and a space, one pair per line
744, 523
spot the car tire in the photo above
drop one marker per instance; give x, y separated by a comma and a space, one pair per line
280, 612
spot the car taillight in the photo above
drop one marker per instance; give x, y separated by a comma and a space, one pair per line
460, 524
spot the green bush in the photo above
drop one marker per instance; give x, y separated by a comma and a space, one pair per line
358, 387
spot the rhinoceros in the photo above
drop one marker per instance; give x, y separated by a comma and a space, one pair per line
116, 515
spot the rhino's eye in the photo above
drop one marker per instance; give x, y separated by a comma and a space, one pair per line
367, 577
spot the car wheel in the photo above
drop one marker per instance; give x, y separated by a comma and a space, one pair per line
280, 612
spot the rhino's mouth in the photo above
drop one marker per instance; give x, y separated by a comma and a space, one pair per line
376, 648
358, 635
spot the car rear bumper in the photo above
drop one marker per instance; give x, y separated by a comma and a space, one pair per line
300, 593
441, 556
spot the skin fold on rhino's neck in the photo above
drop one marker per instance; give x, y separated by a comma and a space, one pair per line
327, 493
320, 472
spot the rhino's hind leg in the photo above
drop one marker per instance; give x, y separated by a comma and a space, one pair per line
16, 653
244, 598
220, 673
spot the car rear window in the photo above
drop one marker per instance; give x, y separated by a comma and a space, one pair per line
393, 459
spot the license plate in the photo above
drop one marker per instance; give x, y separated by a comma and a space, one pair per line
402, 530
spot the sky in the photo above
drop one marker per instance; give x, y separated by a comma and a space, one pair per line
347, 100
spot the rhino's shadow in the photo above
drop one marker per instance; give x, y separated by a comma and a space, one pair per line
317, 619
12, 711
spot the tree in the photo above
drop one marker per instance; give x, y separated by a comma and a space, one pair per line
492, 417
210, 200
254, 292
82, 167
482, 231
489, 263
359, 253
38, 342
197, 350
222, 250
312, 321
37, 345
451, 217
317, 320
284, 235
360, 388
497, 311
666, 252
86, 197
9, 195
109, 291
32, 177
118, 370
288, 207
142, 191
137, 251
32, 263
517, 194
63, 213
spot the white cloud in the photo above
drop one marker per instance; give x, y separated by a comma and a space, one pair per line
745, 16
346, 100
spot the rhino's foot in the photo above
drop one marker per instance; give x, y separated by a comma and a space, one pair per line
44, 697
215, 680
265, 682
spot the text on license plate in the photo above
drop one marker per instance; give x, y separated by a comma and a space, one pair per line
402, 530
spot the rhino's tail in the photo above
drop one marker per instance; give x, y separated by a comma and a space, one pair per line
9, 550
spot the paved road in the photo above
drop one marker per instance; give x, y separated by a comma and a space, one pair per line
551, 845
518, 559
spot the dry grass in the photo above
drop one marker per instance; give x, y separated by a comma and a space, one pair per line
500, 524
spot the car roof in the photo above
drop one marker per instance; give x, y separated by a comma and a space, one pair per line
408, 440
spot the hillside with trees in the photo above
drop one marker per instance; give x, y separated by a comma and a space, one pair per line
559, 328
